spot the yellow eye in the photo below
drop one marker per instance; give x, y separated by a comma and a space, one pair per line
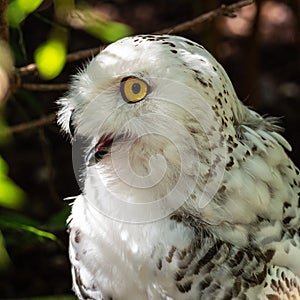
133, 89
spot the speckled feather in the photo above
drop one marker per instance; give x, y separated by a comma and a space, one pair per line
244, 244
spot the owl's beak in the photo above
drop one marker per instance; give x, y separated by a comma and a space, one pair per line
103, 147
99, 151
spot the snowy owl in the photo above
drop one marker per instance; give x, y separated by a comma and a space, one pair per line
186, 193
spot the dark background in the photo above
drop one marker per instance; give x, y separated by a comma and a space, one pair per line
260, 50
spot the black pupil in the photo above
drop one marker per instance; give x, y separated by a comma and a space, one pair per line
136, 88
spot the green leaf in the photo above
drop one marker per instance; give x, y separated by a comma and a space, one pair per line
109, 31
50, 57
3, 167
11, 216
4, 257
13, 224
19, 9
86, 19
15, 14
11, 196
29, 6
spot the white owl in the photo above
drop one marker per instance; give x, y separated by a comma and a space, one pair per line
186, 193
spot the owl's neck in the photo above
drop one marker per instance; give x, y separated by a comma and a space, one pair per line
147, 170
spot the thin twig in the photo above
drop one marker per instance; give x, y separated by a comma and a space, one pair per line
75, 56
82, 54
45, 87
29, 125
227, 10
26, 70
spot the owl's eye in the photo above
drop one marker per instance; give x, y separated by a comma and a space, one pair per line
133, 89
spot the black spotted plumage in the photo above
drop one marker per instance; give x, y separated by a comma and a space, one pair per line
194, 197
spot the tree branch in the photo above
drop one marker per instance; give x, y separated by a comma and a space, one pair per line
226, 10
29, 125
82, 54
45, 87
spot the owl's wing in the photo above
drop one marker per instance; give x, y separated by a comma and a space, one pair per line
258, 203
278, 219
82, 282
281, 284
82, 291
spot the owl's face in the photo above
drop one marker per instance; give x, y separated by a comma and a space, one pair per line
143, 74
152, 107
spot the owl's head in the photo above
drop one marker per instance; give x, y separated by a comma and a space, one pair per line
145, 74
161, 101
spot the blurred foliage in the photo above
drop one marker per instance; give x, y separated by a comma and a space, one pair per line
57, 221
17, 228
5, 136
50, 57
37, 223
109, 31
4, 257
11, 196
95, 24
22, 223
19, 9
